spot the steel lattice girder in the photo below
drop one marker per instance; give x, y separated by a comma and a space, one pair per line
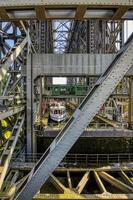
73, 129
75, 9
10, 112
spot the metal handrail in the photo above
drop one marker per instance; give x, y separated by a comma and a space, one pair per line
81, 159
92, 126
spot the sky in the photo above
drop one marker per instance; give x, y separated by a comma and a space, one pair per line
128, 26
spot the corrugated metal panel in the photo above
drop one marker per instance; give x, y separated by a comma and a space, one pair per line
70, 64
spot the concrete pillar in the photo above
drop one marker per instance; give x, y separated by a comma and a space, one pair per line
30, 136
130, 108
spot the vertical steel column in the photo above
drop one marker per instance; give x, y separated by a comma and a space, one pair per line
130, 109
41, 114
31, 140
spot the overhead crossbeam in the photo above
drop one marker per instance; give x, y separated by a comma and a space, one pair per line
30, 3
69, 180
37, 8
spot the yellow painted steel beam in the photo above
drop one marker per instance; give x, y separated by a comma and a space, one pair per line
115, 182
99, 182
8, 194
69, 180
89, 197
62, 188
59, 186
108, 121
82, 183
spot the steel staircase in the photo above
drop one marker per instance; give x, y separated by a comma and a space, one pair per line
9, 148
78, 122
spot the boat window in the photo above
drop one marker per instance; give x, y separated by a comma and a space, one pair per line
56, 112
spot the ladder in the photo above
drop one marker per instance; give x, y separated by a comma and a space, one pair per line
77, 123
9, 148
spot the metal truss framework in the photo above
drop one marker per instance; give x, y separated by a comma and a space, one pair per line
8, 31
78, 187
96, 36
77, 9
70, 133
107, 182
13, 40
10, 147
42, 36
63, 36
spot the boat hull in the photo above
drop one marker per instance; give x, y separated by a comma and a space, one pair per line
58, 118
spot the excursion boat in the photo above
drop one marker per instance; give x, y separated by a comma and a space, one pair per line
57, 112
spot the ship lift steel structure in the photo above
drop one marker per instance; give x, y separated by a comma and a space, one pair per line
59, 26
